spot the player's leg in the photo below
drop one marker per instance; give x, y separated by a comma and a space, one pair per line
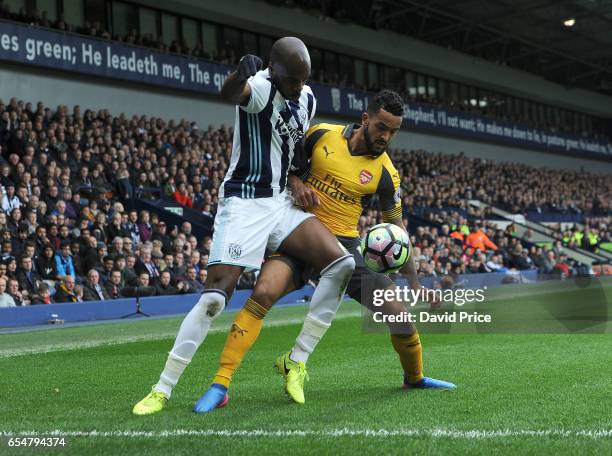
404, 335
407, 343
275, 280
312, 243
241, 232
220, 284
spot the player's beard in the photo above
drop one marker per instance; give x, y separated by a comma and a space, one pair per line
370, 144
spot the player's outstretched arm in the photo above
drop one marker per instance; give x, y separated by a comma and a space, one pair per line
235, 88
409, 270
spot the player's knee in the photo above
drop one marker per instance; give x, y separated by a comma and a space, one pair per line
221, 284
211, 303
341, 268
265, 293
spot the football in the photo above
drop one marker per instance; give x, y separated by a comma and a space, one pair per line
385, 248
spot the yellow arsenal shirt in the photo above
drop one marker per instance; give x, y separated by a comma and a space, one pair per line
345, 182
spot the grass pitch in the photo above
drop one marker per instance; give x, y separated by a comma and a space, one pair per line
520, 394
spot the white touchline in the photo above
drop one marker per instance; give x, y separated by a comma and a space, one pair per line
342, 432
120, 340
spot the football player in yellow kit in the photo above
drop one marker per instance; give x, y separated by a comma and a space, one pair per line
341, 169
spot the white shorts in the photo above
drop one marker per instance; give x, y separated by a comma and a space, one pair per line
244, 228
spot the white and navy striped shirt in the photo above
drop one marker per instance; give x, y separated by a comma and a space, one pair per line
266, 132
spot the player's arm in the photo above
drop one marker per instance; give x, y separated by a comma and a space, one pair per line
304, 196
389, 194
235, 88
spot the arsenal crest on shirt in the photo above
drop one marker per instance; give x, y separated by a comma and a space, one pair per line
365, 176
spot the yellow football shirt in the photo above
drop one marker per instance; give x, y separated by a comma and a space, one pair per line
345, 181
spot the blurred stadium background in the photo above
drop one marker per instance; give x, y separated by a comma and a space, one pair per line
113, 139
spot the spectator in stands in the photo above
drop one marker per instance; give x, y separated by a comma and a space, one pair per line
114, 285
190, 283
28, 280
108, 264
19, 242
145, 229
202, 276
562, 266
127, 246
3, 221
164, 287
116, 247
478, 240
186, 229
7, 249
194, 260
495, 264
158, 260
43, 295
11, 268
160, 233
10, 200
144, 279
66, 291
203, 261
128, 276
6, 300
63, 262
549, 262
13, 290
90, 257
179, 269
130, 263
114, 229
78, 291
521, 259
124, 186
181, 196
92, 290
132, 227
168, 262
145, 263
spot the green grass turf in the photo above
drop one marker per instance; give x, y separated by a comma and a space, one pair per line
514, 383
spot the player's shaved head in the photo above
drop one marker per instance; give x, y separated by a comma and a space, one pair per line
291, 53
289, 66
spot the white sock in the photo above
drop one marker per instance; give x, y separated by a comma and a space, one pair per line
191, 334
170, 376
298, 355
325, 302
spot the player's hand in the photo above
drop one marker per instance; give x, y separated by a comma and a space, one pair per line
304, 196
248, 66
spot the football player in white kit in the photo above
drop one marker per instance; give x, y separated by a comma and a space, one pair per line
273, 112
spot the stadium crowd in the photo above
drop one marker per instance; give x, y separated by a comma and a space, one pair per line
68, 232
493, 107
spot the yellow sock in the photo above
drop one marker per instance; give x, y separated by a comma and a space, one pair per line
241, 338
410, 352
